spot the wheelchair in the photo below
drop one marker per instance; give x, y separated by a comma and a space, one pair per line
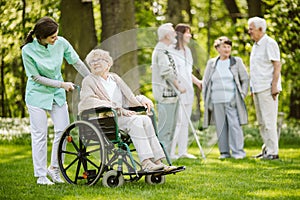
94, 148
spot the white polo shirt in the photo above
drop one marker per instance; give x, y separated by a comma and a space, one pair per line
263, 53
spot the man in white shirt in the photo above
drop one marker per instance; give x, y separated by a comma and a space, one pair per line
265, 84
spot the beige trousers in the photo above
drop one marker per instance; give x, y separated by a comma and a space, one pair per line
266, 113
143, 136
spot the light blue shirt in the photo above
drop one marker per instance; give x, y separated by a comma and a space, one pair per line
47, 62
223, 88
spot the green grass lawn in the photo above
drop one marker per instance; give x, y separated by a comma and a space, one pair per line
203, 179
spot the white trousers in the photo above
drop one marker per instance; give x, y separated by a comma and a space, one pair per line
143, 136
181, 134
39, 132
266, 113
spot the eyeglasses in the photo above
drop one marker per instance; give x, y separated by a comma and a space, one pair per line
98, 62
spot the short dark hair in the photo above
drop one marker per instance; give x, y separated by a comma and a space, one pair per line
222, 40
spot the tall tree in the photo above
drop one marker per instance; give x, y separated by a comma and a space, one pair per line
179, 11
284, 18
78, 27
233, 9
119, 37
254, 8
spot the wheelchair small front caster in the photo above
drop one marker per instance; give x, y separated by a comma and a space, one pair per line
111, 179
155, 179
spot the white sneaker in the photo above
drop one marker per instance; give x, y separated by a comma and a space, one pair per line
43, 180
54, 173
174, 157
187, 155
150, 166
238, 157
168, 168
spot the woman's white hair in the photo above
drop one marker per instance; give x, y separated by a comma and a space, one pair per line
258, 23
164, 30
97, 55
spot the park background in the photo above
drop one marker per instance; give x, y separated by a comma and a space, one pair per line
127, 29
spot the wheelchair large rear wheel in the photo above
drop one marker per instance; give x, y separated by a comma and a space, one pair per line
81, 153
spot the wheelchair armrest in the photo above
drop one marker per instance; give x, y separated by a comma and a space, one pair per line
137, 109
97, 110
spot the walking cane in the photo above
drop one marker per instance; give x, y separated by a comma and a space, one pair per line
190, 122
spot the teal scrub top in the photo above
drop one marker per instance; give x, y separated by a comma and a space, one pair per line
47, 62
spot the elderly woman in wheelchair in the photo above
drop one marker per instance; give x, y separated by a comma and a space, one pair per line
85, 153
103, 88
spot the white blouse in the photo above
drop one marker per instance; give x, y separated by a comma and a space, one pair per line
112, 90
184, 64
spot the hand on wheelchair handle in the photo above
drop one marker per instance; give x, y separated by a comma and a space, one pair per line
68, 86
148, 106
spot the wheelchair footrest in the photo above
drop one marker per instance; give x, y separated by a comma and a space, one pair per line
158, 172
143, 173
174, 171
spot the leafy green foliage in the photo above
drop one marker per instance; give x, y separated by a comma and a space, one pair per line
283, 25
284, 21
16, 21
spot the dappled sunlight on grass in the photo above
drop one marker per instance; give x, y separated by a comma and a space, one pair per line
275, 194
211, 178
8, 154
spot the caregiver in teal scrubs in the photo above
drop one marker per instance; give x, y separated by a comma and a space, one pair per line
45, 92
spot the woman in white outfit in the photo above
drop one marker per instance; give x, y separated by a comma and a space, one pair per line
42, 58
184, 63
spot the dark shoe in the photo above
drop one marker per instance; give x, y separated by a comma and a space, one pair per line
224, 156
258, 155
262, 154
270, 157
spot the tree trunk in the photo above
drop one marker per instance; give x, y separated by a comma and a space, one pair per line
118, 36
295, 103
23, 74
233, 9
78, 27
2, 89
254, 8
174, 11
